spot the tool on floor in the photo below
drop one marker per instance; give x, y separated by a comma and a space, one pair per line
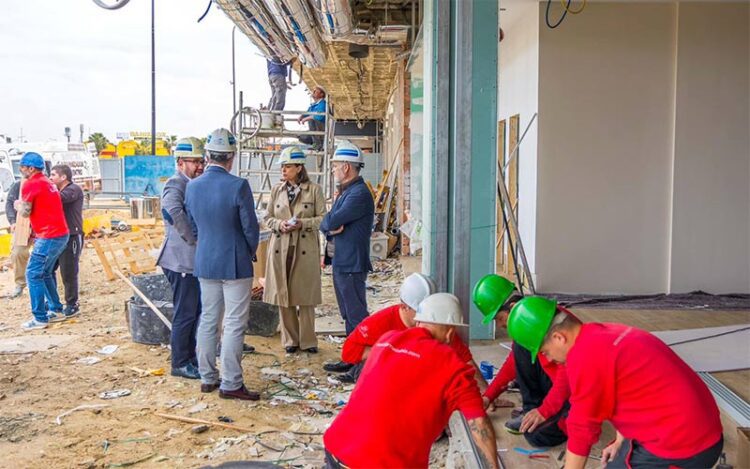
529, 452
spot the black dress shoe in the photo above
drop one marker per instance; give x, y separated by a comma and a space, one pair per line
338, 367
242, 393
346, 378
292, 349
311, 350
247, 348
211, 387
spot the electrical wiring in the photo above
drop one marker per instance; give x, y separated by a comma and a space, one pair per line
698, 339
206, 12
571, 11
546, 15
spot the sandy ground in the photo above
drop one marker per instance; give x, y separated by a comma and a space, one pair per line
36, 387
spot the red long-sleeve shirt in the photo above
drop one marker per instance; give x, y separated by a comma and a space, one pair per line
372, 328
409, 386
556, 397
631, 378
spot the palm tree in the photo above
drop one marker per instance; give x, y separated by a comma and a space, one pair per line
100, 141
171, 141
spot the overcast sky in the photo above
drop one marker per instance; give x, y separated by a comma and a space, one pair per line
67, 62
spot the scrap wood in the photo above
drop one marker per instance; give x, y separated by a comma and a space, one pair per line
145, 299
58, 420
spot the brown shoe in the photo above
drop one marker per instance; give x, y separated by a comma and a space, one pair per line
209, 387
242, 393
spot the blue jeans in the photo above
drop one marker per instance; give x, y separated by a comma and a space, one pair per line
40, 276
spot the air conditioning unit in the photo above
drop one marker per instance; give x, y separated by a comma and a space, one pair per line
379, 246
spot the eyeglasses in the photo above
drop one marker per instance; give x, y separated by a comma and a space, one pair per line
199, 162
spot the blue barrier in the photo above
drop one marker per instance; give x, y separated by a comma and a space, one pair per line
146, 174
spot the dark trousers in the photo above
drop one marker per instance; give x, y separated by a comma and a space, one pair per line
356, 370
68, 265
634, 455
315, 140
186, 297
351, 296
332, 462
534, 385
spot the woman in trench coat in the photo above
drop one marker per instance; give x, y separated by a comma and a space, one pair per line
295, 210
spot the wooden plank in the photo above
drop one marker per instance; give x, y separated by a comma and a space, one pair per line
512, 182
500, 230
23, 225
103, 259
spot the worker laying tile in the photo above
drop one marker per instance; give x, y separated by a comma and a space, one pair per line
410, 385
543, 384
663, 412
398, 317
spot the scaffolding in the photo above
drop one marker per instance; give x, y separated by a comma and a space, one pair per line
262, 134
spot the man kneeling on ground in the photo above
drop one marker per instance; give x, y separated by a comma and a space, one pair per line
543, 384
664, 414
409, 387
398, 317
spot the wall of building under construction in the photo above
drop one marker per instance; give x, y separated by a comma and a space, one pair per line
636, 180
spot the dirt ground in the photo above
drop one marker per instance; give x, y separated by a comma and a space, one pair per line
298, 402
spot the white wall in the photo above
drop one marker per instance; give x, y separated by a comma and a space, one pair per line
606, 100
711, 221
518, 86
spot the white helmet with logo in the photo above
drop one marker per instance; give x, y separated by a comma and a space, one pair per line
346, 152
292, 155
440, 308
221, 141
189, 147
416, 287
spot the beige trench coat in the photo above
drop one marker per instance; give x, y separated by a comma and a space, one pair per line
302, 288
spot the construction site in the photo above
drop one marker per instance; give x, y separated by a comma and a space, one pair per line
582, 162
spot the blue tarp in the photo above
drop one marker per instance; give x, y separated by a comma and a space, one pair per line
146, 175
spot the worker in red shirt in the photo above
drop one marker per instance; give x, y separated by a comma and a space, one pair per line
543, 384
399, 317
411, 384
664, 414
40, 202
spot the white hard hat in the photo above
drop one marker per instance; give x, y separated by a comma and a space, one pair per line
292, 155
320, 87
416, 287
346, 152
189, 147
221, 141
440, 308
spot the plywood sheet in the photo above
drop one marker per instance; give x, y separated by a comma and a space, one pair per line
721, 353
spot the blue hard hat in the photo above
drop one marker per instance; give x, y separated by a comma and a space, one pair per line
32, 160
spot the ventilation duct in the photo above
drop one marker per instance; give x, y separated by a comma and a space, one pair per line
259, 26
296, 20
335, 17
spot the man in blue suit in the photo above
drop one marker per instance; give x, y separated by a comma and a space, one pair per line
222, 213
347, 227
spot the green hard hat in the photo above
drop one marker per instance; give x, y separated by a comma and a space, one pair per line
529, 322
490, 294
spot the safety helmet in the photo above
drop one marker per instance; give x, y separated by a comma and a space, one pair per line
32, 160
490, 294
221, 141
346, 152
440, 308
325, 93
189, 147
529, 322
416, 287
292, 155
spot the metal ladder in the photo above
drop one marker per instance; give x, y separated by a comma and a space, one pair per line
260, 141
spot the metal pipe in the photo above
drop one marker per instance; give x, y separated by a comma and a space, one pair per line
234, 78
153, 81
295, 19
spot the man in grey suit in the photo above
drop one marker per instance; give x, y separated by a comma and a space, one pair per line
222, 214
177, 258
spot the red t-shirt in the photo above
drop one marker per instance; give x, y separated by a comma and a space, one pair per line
409, 386
631, 378
47, 216
369, 331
